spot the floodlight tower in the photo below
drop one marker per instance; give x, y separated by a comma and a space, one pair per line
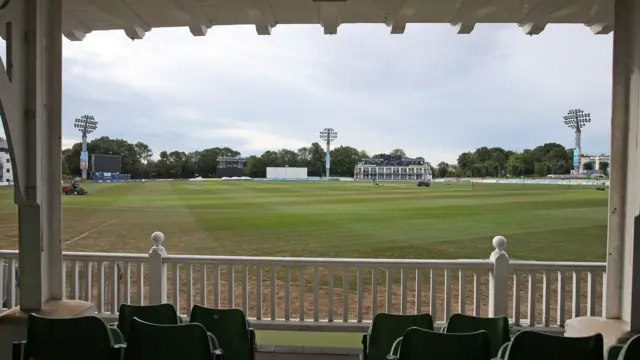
577, 119
86, 124
328, 135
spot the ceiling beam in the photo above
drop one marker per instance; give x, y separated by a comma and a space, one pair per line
199, 24
262, 15
74, 35
73, 30
134, 27
464, 28
135, 33
536, 14
329, 17
397, 16
533, 28
601, 29
600, 10
468, 13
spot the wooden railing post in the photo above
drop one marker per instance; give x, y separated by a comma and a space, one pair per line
499, 279
157, 271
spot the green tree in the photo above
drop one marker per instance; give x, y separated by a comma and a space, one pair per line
442, 170
589, 165
344, 160
398, 152
255, 167
317, 165
515, 165
287, 157
604, 166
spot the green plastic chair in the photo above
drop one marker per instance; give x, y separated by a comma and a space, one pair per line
163, 314
420, 344
613, 352
386, 329
532, 345
496, 327
230, 327
631, 350
78, 338
170, 342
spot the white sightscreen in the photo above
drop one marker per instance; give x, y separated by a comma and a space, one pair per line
286, 172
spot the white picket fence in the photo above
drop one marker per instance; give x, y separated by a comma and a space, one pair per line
329, 294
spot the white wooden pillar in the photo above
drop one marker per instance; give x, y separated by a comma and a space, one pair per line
622, 288
31, 93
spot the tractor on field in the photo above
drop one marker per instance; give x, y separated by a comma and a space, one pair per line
73, 189
424, 183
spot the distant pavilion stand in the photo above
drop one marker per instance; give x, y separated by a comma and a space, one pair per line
392, 168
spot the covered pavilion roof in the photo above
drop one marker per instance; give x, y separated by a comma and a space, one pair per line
137, 17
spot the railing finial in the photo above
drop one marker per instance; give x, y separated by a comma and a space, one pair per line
499, 243
158, 239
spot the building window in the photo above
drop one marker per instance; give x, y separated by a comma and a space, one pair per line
8, 170
8, 161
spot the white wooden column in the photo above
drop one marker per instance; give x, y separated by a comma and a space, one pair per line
622, 289
30, 93
50, 140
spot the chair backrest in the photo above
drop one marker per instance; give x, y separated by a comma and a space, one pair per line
496, 327
77, 338
167, 342
532, 345
229, 326
419, 344
387, 328
163, 314
631, 349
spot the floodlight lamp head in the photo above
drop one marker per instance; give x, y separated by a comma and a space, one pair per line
86, 124
328, 134
576, 119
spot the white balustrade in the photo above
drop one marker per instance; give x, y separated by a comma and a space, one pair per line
329, 291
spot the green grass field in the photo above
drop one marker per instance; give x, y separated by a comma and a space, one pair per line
331, 219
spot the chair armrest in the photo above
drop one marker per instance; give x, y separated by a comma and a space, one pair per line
113, 324
118, 352
117, 336
395, 349
17, 350
214, 342
503, 350
218, 355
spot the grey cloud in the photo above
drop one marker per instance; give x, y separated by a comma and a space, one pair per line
429, 91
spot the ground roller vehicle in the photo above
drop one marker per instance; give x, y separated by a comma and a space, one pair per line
424, 183
73, 189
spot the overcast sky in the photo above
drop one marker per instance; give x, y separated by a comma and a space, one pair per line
430, 91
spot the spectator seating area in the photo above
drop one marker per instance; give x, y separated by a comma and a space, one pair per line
157, 332
393, 160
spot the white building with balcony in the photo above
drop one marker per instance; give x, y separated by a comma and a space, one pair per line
6, 171
596, 159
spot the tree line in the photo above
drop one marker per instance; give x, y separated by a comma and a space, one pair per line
543, 160
138, 160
